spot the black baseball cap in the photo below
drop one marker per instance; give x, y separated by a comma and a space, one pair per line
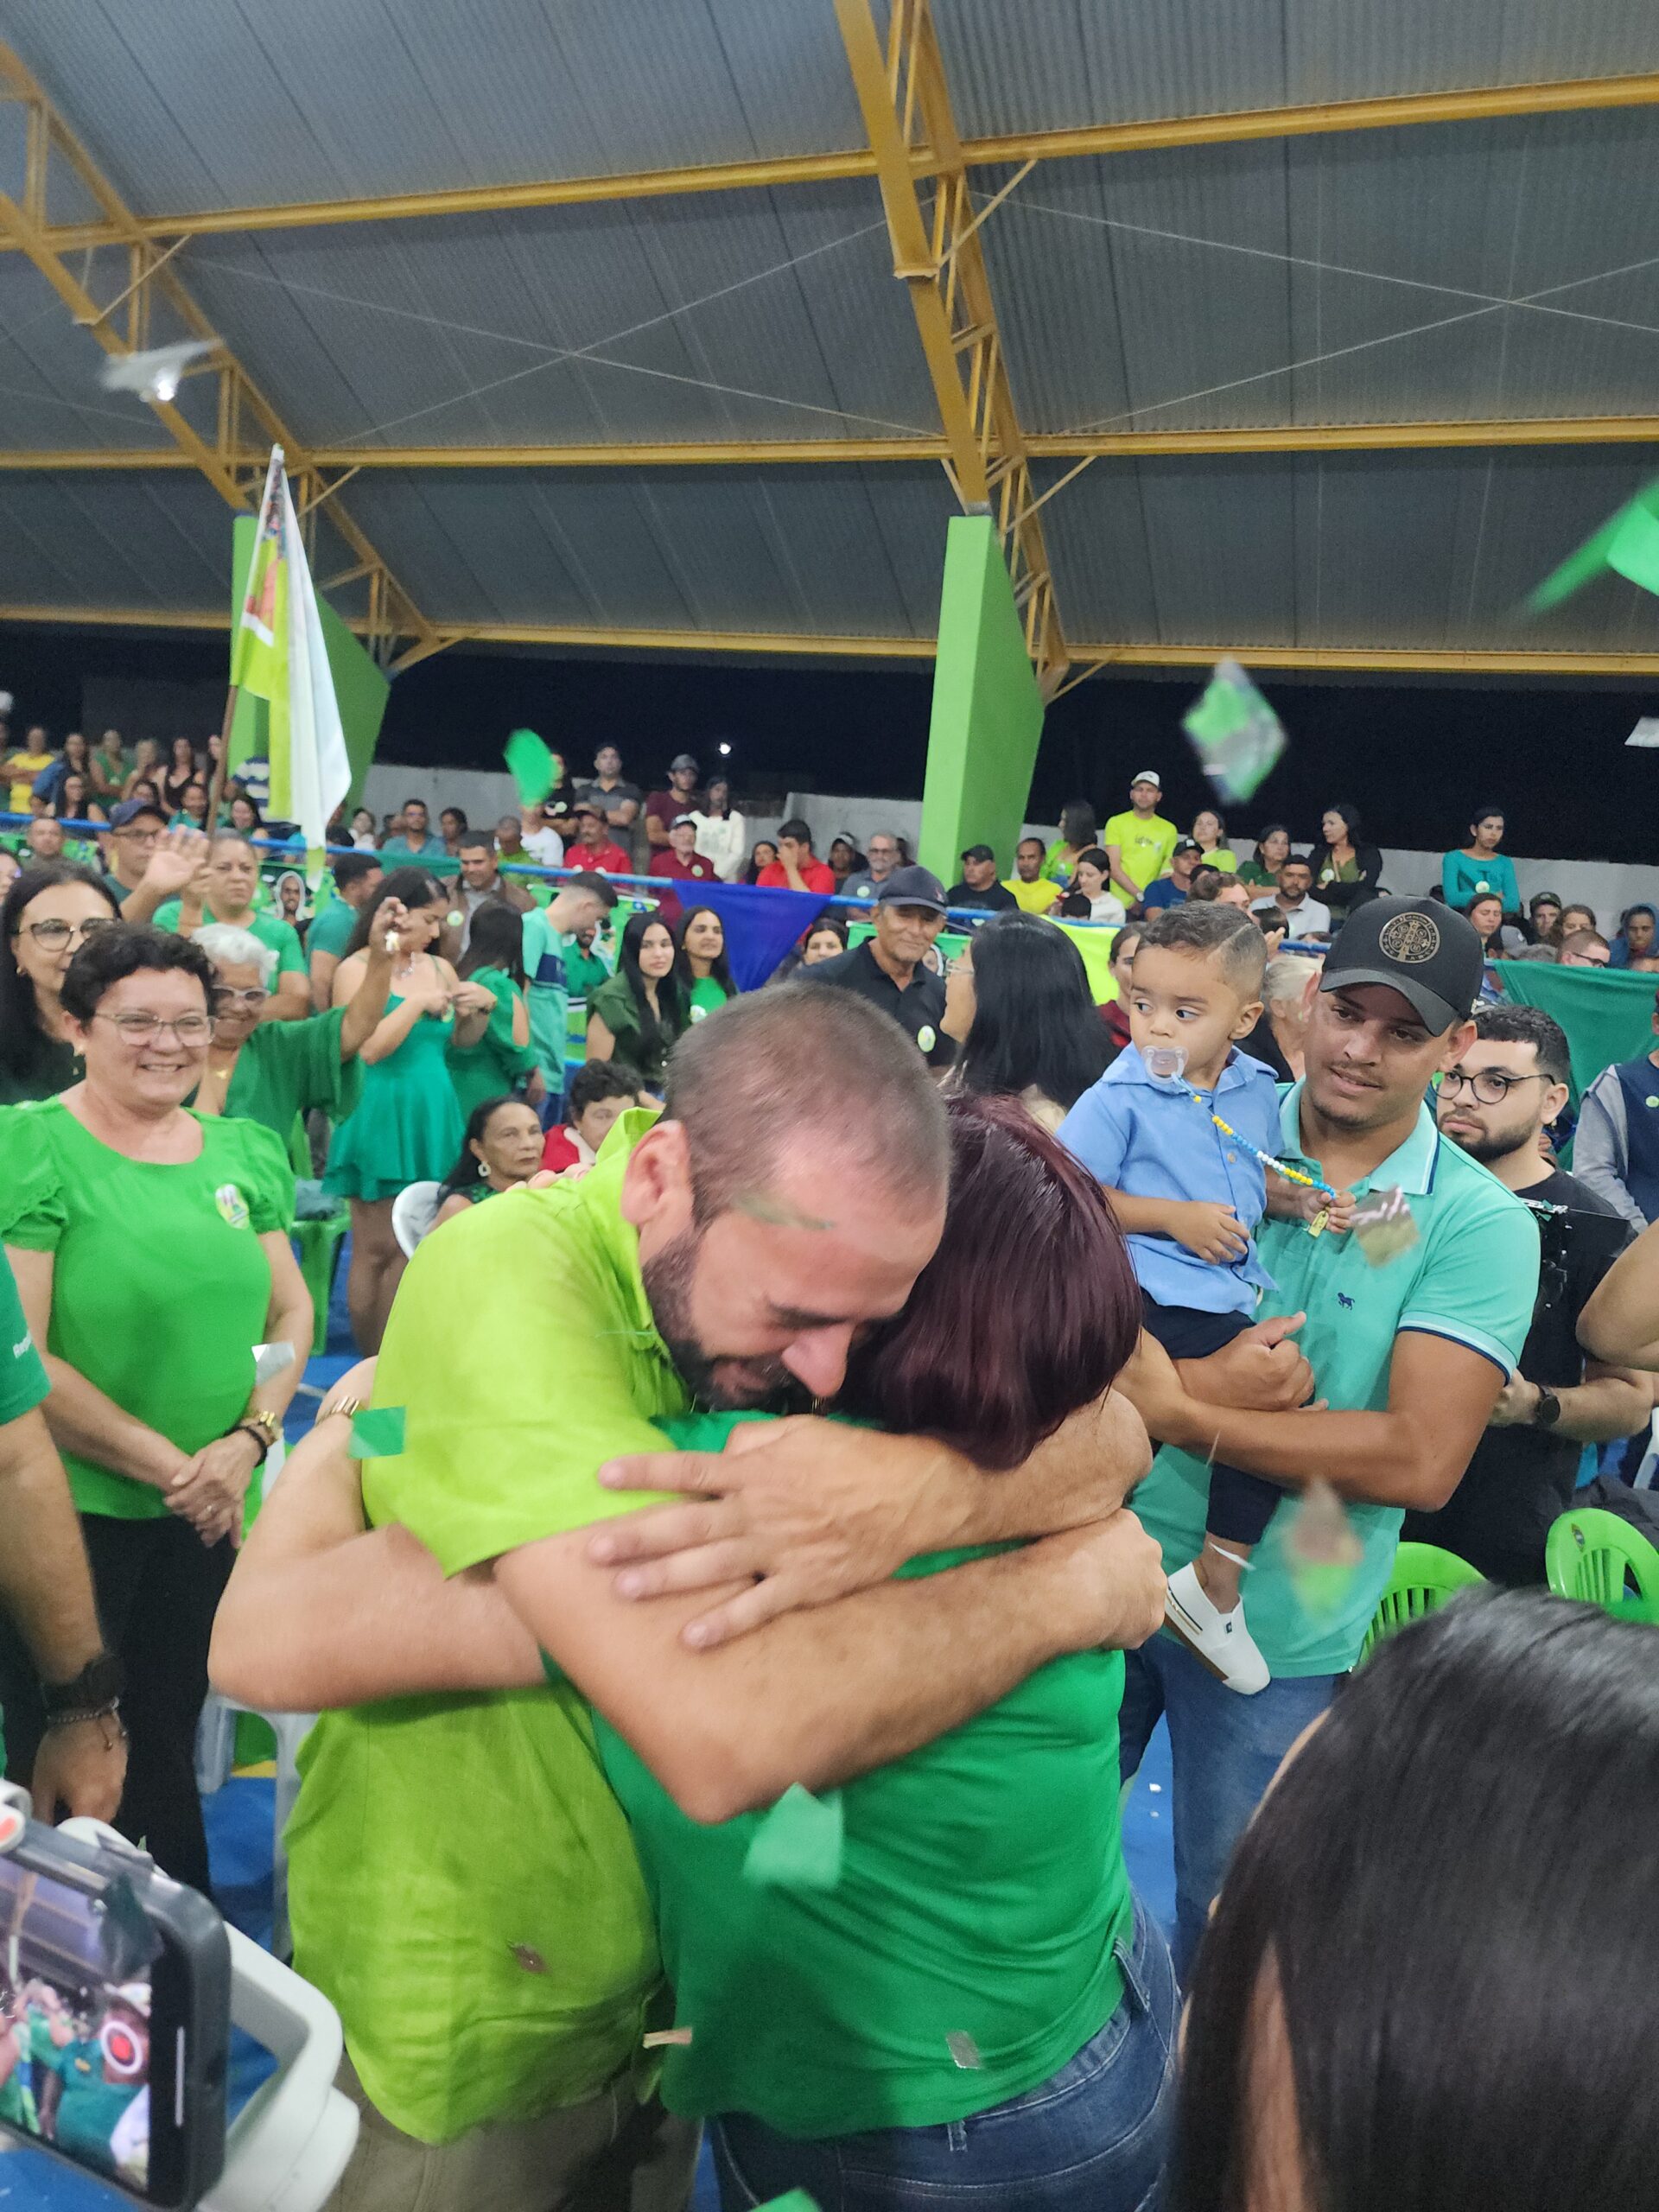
1424, 950
1185, 845
979, 853
130, 809
914, 887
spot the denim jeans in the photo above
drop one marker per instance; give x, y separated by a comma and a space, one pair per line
1225, 1750
1096, 2133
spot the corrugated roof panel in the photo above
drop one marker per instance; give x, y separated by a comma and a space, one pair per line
224, 102
117, 541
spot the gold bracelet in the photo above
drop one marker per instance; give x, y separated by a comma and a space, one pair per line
347, 1408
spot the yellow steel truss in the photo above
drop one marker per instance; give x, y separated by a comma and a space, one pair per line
937, 253
246, 424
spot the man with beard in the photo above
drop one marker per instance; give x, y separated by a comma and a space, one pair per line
1410, 1349
461, 1881
1494, 1104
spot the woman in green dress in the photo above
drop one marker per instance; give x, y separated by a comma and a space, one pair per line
151, 1253
638, 1014
502, 1149
1261, 871
49, 912
501, 1062
701, 966
408, 1127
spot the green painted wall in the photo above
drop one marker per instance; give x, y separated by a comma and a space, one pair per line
360, 688
988, 712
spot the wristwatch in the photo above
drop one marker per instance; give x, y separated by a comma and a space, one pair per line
264, 1428
1547, 1411
94, 1691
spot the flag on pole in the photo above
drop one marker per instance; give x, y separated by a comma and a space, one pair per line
278, 655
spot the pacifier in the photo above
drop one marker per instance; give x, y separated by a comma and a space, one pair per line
1165, 1063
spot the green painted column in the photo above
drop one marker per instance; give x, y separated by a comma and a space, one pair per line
988, 712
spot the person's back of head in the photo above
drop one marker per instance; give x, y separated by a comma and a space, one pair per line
773, 1070
495, 939
1431, 1982
1285, 980
1034, 1024
1078, 823
1580, 946
351, 869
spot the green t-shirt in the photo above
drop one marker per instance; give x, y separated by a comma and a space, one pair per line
982, 1892
1145, 843
1253, 872
427, 1931
287, 1068
1472, 1276
23, 1382
494, 1067
161, 1288
331, 926
707, 997
269, 929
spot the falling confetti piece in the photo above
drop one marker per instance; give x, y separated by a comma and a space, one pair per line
799, 1845
965, 2051
796, 2201
271, 1360
1383, 1226
660, 2038
1235, 734
534, 768
1627, 542
154, 374
1323, 1552
378, 1433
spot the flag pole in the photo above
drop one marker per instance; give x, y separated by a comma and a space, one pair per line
216, 787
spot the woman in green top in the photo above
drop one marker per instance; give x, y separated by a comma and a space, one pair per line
1210, 833
701, 967
501, 1061
46, 916
1078, 831
152, 1254
1272, 851
952, 1997
109, 765
638, 1014
193, 807
502, 1149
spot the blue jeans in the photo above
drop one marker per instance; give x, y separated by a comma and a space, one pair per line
1225, 1750
1096, 2133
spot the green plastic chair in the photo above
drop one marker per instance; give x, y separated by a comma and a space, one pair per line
1589, 1553
1424, 1577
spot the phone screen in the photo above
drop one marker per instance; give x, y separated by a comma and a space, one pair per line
76, 1991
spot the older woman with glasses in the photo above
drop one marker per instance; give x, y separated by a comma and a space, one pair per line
152, 1254
46, 916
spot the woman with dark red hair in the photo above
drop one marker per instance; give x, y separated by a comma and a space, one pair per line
936, 1983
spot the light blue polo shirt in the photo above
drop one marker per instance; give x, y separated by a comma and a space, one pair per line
1471, 1277
1156, 1139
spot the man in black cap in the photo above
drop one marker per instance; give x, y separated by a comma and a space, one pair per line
1412, 1328
1172, 890
979, 886
147, 863
887, 969
663, 807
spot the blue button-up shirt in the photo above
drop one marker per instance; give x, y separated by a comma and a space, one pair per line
1157, 1140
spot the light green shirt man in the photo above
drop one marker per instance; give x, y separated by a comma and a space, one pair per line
1145, 844
1472, 1276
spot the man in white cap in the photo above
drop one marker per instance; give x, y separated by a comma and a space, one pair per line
1139, 843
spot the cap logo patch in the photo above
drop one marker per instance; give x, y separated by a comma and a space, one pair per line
1409, 938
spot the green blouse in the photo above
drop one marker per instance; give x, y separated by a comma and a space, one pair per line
613, 1002
494, 1067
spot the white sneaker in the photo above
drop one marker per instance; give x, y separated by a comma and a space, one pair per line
1221, 1641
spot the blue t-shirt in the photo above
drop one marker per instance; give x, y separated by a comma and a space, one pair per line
1157, 1139
1165, 892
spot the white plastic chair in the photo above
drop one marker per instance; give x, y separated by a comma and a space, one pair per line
414, 1210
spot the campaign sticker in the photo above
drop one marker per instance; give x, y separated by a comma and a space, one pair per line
926, 1036
232, 1205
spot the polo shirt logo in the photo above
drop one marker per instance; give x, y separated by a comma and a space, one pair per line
1409, 938
1343, 1298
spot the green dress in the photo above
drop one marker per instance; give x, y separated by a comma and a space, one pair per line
494, 1067
408, 1128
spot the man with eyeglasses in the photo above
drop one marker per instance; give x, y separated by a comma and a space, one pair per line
1494, 1103
883, 858
145, 862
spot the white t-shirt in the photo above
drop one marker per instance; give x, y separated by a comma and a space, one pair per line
545, 848
1309, 919
1108, 909
723, 839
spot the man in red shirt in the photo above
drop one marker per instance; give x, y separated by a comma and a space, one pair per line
592, 850
681, 863
662, 807
795, 869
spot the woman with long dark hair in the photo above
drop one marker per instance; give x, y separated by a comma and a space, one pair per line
1078, 831
502, 1148
1347, 870
1018, 1003
639, 1014
183, 769
1272, 851
46, 917
764, 856
699, 963
722, 833
1428, 1982
500, 1063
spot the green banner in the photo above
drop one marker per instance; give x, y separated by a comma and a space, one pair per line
1607, 1014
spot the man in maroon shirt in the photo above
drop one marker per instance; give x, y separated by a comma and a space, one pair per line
593, 849
681, 863
662, 807
795, 869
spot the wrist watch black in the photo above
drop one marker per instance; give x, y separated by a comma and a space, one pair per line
1547, 1411
96, 1689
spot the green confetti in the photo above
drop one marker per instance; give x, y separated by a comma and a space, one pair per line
1235, 734
796, 2201
799, 1845
534, 768
1628, 543
378, 1433
1635, 550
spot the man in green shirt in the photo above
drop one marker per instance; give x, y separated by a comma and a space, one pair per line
1140, 841
231, 880
549, 940
1409, 1351
46, 1587
357, 877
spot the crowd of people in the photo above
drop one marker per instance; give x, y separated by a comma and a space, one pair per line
1029, 1344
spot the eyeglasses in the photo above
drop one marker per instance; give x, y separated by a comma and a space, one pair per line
227, 997
1491, 1088
138, 836
142, 1028
51, 936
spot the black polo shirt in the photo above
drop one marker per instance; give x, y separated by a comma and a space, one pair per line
918, 1009
996, 898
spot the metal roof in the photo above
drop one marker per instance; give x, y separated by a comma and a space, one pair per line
1306, 271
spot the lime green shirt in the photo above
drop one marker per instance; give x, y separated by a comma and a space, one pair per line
161, 1288
982, 1892
426, 1929
1472, 1276
269, 929
287, 1068
1144, 843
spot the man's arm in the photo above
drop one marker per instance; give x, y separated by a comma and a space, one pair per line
1609, 1402
1119, 874
1601, 1147
45, 1590
1620, 1321
656, 831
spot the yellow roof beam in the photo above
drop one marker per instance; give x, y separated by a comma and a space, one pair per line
1233, 127
1377, 660
763, 453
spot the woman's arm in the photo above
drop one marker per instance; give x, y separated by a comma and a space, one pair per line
601, 1045
1620, 1324
79, 1416
391, 1031
474, 1005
